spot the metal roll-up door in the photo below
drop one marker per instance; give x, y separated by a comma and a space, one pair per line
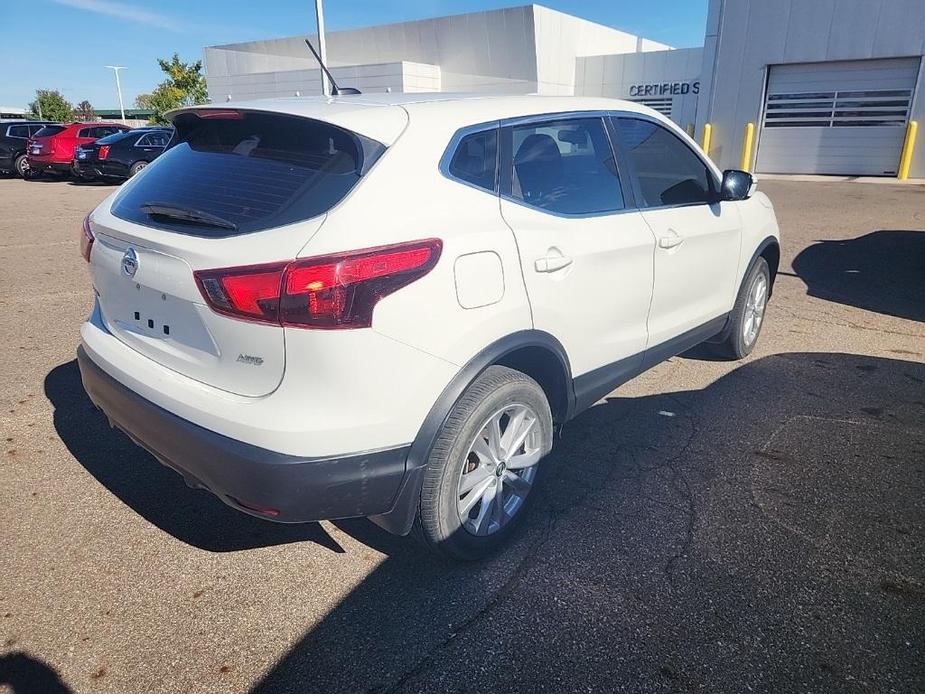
837, 118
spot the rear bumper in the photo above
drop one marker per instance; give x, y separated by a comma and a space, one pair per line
48, 164
248, 477
97, 169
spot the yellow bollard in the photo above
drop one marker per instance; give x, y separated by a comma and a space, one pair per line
905, 161
707, 137
746, 163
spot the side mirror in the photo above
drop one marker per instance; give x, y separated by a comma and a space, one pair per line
737, 185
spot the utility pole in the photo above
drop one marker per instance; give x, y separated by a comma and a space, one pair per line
116, 68
319, 20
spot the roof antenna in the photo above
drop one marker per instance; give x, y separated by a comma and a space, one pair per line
335, 90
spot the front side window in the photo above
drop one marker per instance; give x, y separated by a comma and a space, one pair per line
565, 166
668, 171
475, 160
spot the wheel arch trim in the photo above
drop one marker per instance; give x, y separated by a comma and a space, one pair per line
401, 518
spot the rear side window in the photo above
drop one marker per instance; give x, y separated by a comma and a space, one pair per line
153, 140
565, 167
112, 139
18, 131
475, 160
668, 171
49, 130
246, 172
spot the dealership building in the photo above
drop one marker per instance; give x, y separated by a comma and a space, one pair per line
823, 86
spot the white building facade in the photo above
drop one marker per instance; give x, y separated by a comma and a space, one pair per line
829, 85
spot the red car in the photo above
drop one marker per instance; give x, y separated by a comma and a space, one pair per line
52, 148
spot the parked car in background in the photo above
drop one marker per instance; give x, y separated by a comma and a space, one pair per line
385, 305
14, 137
121, 155
52, 148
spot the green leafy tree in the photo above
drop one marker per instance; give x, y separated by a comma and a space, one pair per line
85, 111
51, 105
185, 86
164, 98
143, 101
187, 77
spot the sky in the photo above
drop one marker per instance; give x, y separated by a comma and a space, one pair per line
66, 44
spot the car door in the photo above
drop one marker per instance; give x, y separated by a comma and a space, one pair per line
586, 253
697, 237
149, 146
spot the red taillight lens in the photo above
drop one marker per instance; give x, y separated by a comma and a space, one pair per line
86, 239
104, 152
337, 291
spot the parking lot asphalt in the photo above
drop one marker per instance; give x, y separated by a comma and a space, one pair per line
711, 526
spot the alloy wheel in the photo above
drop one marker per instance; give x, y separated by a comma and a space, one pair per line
499, 469
755, 305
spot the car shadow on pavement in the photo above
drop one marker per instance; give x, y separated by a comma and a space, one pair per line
152, 490
20, 673
883, 271
763, 531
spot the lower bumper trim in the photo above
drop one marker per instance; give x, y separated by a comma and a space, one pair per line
301, 489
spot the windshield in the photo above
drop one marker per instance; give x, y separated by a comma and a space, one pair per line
49, 130
253, 171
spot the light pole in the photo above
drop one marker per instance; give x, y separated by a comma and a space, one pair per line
116, 68
319, 19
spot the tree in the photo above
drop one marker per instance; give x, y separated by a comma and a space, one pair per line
51, 105
84, 111
164, 98
185, 86
186, 77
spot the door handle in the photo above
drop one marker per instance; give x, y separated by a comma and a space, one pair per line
551, 263
672, 240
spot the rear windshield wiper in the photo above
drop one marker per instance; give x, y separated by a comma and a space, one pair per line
185, 214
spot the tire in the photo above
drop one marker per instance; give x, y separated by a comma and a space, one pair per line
743, 334
136, 167
513, 399
21, 166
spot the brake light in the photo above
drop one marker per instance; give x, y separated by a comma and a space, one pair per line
329, 292
219, 114
104, 152
86, 239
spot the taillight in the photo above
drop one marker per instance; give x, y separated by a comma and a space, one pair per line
331, 292
86, 239
104, 152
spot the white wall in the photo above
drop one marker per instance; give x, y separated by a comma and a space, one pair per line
562, 39
745, 36
397, 77
519, 50
614, 75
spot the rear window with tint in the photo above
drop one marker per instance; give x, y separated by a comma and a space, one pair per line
115, 137
49, 130
246, 173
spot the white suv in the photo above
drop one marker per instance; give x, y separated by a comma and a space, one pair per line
383, 305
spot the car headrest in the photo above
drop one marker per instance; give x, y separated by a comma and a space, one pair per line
537, 147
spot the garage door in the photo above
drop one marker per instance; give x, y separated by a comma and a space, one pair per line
837, 118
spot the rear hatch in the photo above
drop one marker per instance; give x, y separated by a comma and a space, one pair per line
235, 188
42, 143
87, 153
